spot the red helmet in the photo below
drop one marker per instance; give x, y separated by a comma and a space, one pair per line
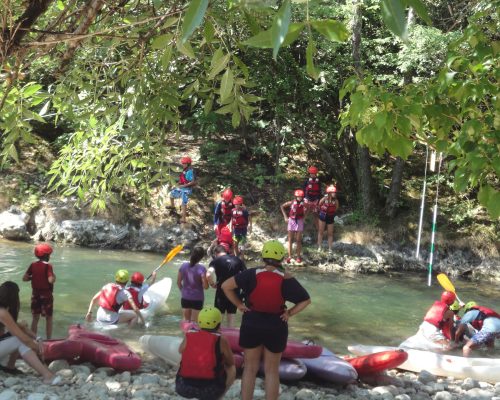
448, 297
238, 200
331, 189
298, 193
186, 160
43, 250
227, 194
137, 277
312, 169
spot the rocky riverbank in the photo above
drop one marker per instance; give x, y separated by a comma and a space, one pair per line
155, 380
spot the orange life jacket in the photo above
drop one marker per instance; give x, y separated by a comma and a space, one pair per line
107, 299
199, 358
296, 210
267, 296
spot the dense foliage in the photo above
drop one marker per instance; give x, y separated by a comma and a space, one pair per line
120, 79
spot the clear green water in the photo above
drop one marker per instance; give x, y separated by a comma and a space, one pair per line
369, 309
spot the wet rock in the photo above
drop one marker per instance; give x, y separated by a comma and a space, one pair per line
8, 395
13, 224
426, 377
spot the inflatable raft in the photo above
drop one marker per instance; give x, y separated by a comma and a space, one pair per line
481, 369
330, 368
377, 362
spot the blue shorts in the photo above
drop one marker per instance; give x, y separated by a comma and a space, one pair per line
183, 193
482, 337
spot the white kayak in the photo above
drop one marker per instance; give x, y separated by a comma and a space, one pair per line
481, 369
156, 297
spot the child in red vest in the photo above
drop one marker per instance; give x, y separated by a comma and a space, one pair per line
295, 220
184, 187
223, 211
312, 193
241, 225
207, 367
328, 206
137, 288
42, 278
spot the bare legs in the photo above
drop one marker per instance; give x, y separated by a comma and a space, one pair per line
321, 229
188, 314
48, 325
294, 236
34, 362
271, 369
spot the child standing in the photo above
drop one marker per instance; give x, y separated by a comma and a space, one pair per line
328, 206
312, 193
137, 289
295, 220
42, 278
207, 367
223, 211
184, 187
191, 281
241, 225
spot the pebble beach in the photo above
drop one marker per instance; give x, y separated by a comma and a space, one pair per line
156, 380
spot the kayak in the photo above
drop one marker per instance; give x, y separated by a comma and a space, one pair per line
103, 350
156, 296
378, 362
481, 369
330, 368
61, 349
167, 348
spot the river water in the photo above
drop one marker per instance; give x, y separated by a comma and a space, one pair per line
368, 309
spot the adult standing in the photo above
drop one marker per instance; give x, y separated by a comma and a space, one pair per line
191, 281
15, 337
264, 325
225, 266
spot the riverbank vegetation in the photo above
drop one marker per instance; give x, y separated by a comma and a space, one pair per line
98, 100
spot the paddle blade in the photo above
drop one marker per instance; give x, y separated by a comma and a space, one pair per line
445, 283
172, 253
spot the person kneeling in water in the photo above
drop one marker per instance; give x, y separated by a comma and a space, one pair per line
207, 367
137, 289
111, 297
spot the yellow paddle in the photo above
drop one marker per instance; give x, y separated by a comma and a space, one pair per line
445, 282
171, 254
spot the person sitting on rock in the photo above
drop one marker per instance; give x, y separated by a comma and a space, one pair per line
207, 367
487, 323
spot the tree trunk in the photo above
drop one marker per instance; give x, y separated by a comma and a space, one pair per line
396, 182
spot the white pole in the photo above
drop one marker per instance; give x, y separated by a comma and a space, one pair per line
434, 218
422, 204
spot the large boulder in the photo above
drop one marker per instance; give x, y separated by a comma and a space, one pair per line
13, 224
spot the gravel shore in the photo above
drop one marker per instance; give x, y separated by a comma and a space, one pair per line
155, 380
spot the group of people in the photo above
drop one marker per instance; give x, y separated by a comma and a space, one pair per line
443, 329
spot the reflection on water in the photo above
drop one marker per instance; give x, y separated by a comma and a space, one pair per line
370, 309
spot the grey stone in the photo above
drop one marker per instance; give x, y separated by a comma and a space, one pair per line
443, 396
125, 376
11, 381
13, 224
143, 394
478, 394
426, 377
259, 393
81, 369
58, 365
235, 390
146, 379
402, 397
106, 371
305, 394
469, 383
8, 395
113, 386
66, 373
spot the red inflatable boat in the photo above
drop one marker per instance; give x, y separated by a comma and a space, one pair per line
62, 349
104, 351
378, 362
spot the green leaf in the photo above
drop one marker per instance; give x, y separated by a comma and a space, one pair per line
242, 66
394, 18
236, 119
30, 89
294, 31
193, 17
261, 40
310, 68
226, 85
228, 108
420, 9
208, 105
170, 21
186, 49
332, 30
490, 198
60, 5
218, 64
160, 42
166, 57
280, 25
252, 23
209, 32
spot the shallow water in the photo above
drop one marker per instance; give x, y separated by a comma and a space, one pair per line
369, 309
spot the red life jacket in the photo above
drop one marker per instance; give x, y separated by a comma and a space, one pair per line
107, 300
40, 276
134, 291
182, 177
328, 208
435, 314
484, 312
267, 296
225, 238
226, 211
313, 188
239, 220
296, 210
199, 358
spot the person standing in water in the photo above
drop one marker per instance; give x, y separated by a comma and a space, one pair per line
42, 278
264, 325
192, 281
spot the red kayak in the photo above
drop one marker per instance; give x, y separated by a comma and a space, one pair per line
62, 349
104, 351
293, 349
378, 362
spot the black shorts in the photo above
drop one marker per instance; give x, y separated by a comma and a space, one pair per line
193, 304
263, 329
202, 389
326, 218
223, 303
